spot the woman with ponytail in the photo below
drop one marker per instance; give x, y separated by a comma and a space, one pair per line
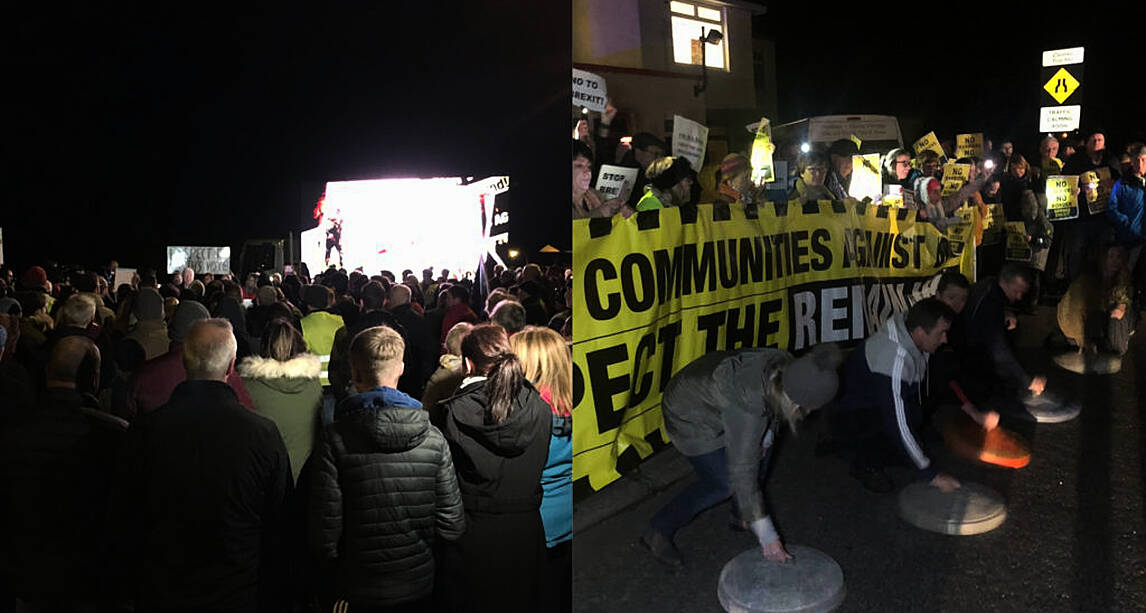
546, 358
498, 428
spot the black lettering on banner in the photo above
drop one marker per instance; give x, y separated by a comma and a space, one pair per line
605, 387
768, 325
780, 246
821, 240
901, 253
799, 251
667, 336
642, 383
710, 324
597, 310
648, 283
752, 258
669, 273
703, 271
736, 333
726, 256
578, 385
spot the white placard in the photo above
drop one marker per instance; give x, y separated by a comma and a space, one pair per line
1063, 57
589, 90
1059, 118
689, 140
215, 260
866, 177
611, 181
123, 276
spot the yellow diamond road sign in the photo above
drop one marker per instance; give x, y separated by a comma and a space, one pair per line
1061, 85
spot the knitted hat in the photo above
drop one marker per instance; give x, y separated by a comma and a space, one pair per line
672, 175
811, 381
6, 305
34, 278
732, 164
187, 313
148, 305
923, 191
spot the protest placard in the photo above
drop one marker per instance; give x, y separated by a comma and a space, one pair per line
761, 157
955, 176
929, 142
123, 276
993, 221
616, 182
1105, 188
689, 140
215, 260
1018, 247
589, 90
867, 182
1062, 199
968, 145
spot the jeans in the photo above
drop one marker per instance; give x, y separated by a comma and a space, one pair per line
328, 403
710, 489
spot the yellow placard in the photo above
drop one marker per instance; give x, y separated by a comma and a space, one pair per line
968, 145
1105, 187
761, 157
661, 288
955, 176
993, 229
929, 142
1062, 197
855, 139
1018, 247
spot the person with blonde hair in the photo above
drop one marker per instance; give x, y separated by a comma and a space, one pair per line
384, 486
546, 358
451, 369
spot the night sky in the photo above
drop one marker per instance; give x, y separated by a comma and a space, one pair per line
956, 66
128, 131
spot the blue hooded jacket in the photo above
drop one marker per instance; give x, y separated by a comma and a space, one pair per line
375, 399
1125, 212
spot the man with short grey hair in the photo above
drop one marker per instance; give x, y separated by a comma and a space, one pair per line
208, 483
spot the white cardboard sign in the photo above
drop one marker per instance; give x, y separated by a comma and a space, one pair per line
689, 140
215, 260
589, 90
1062, 57
611, 181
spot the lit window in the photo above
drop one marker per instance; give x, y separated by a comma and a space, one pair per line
689, 20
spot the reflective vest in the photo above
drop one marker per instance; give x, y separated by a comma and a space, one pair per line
649, 202
318, 329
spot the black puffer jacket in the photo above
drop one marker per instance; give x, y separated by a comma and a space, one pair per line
384, 489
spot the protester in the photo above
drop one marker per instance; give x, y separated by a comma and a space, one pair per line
509, 314
208, 482
498, 427
319, 326
283, 383
1127, 213
723, 412
385, 489
587, 202
373, 303
456, 309
57, 473
811, 167
927, 161
670, 184
897, 169
646, 148
450, 373
1097, 313
839, 177
735, 181
1081, 235
421, 346
547, 363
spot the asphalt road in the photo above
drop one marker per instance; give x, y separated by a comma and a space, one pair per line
1074, 538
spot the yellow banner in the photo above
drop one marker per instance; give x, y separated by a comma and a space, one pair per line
659, 289
1062, 197
929, 142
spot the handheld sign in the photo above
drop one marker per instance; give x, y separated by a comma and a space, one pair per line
929, 142
611, 182
1018, 248
589, 90
215, 260
993, 224
866, 179
123, 276
955, 176
689, 140
1062, 201
968, 145
761, 158
1105, 188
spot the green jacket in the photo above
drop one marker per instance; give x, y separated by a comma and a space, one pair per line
289, 394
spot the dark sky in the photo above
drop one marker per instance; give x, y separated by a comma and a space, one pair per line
128, 130
955, 67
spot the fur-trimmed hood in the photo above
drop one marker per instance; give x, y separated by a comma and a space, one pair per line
303, 366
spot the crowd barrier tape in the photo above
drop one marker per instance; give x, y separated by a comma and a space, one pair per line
661, 288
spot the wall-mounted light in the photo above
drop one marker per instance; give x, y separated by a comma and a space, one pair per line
710, 37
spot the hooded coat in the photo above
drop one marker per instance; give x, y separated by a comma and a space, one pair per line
499, 470
384, 490
289, 394
883, 381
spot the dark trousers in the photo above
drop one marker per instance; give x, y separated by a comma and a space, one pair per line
710, 489
1113, 334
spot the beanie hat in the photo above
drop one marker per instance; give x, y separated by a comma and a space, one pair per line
844, 148
6, 305
187, 313
732, 164
34, 278
811, 381
148, 305
673, 174
316, 296
923, 192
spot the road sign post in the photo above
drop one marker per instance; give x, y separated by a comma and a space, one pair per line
1061, 80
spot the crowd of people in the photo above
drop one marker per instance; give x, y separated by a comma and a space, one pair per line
367, 443
724, 410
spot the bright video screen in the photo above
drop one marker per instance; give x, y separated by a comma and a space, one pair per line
395, 224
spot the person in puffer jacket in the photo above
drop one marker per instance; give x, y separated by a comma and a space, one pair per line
384, 488
880, 412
